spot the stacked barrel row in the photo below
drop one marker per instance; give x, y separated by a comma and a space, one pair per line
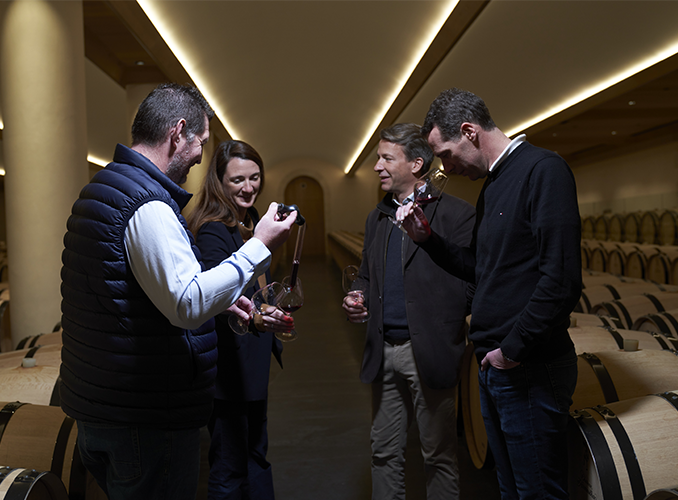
37, 439
654, 227
641, 261
626, 401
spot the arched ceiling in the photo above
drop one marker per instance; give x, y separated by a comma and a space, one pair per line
312, 79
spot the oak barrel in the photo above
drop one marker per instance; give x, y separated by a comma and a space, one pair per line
637, 261
37, 384
44, 438
629, 309
623, 450
593, 278
632, 227
30, 484
668, 227
40, 339
665, 322
663, 494
611, 376
588, 225
597, 294
606, 338
649, 227
615, 227
474, 427
600, 228
578, 319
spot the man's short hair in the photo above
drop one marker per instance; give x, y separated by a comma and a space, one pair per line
164, 107
408, 135
451, 109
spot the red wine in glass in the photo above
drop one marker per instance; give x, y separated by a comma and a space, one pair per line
425, 199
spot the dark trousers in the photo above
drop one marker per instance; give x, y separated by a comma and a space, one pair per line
525, 410
237, 455
132, 463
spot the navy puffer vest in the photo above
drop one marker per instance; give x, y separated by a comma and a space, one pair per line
122, 360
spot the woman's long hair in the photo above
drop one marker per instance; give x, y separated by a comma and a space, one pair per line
212, 203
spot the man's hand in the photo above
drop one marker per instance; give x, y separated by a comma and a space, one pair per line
355, 310
496, 358
271, 231
242, 308
414, 222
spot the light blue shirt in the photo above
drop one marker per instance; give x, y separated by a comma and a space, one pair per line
165, 266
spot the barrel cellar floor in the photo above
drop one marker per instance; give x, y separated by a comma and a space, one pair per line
319, 411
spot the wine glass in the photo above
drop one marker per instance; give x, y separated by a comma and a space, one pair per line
262, 298
289, 300
427, 190
355, 286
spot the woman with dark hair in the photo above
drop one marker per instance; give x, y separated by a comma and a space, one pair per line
223, 219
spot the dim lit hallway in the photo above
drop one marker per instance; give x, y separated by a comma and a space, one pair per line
319, 411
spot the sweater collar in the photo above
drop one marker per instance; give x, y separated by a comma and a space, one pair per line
494, 168
123, 154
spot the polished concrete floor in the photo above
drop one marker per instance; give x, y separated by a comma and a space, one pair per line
319, 411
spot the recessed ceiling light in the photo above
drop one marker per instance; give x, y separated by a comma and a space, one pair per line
632, 103
614, 132
139, 63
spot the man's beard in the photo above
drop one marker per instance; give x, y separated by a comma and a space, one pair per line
178, 169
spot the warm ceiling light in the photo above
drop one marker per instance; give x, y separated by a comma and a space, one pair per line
175, 46
425, 44
97, 161
598, 87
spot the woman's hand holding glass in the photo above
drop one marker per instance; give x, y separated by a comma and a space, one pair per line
263, 303
272, 319
354, 303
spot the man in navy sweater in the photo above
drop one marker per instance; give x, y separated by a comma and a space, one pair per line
525, 262
415, 334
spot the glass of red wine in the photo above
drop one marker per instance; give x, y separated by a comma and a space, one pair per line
355, 286
262, 301
290, 299
427, 189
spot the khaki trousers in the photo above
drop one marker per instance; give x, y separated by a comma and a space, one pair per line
397, 396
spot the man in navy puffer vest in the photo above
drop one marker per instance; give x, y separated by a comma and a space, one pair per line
139, 346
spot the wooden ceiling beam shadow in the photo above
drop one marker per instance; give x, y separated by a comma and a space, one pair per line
141, 27
463, 15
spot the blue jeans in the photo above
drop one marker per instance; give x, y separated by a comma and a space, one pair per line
138, 463
238, 466
525, 410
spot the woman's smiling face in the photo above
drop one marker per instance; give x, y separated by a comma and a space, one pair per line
242, 181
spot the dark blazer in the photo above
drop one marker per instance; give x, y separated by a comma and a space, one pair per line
244, 360
436, 303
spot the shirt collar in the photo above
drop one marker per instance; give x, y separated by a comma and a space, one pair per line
507, 151
407, 200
